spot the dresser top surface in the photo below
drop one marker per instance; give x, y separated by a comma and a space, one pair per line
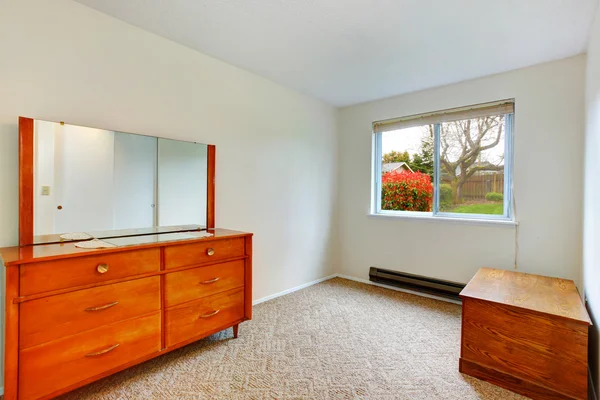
47, 252
537, 293
115, 233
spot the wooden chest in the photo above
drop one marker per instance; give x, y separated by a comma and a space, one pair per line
526, 333
76, 315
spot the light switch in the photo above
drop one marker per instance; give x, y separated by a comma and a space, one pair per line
45, 190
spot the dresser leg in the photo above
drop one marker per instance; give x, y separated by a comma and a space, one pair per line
235, 330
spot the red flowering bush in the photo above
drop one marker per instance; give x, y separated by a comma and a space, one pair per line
406, 191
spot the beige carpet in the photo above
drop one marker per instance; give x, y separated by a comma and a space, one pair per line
335, 340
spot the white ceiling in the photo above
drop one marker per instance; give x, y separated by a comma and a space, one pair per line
350, 51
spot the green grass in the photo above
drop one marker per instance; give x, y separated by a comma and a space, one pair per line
486, 208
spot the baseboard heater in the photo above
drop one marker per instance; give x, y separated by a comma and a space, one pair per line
418, 283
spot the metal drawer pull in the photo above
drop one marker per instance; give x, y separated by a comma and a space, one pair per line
212, 314
104, 307
210, 252
99, 353
210, 281
102, 268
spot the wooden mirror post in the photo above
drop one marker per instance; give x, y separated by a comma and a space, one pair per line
210, 186
25, 181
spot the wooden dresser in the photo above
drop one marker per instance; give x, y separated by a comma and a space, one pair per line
75, 315
527, 333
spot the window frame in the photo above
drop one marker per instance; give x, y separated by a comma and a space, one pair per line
508, 214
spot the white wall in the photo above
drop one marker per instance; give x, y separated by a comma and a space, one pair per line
44, 206
182, 183
84, 160
276, 149
591, 243
548, 143
134, 181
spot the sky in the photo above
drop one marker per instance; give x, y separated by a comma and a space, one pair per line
408, 139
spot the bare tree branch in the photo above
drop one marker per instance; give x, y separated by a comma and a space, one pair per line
462, 144
476, 169
496, 141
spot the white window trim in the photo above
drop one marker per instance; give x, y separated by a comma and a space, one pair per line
428, 217
508, 218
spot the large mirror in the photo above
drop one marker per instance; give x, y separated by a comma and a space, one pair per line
108, 184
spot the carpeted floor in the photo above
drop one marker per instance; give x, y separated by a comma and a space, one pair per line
335, 340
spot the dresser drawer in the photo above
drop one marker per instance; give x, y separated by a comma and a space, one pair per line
193, 284
52, 317
196, 318
198, 253
51, 366
72, 272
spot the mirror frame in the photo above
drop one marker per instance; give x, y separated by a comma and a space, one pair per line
26, 186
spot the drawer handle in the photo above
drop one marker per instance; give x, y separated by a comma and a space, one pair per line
210, 281
99, 353
210, 252
212, 314
102, 268
104, 307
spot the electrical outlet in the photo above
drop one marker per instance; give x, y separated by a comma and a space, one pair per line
45, 190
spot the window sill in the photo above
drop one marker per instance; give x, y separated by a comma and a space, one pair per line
445, 219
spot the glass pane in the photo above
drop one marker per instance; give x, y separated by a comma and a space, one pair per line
472, 165
407, 169
108, 183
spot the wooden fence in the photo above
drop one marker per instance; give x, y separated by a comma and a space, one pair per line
478, 186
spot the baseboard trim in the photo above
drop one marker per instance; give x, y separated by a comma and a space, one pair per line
292, 290
430, 296
351, 278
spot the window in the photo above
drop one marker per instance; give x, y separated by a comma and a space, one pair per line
455, 163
